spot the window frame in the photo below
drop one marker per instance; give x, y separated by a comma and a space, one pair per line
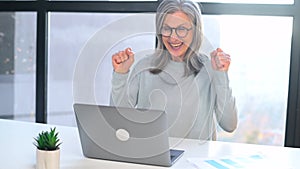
42, 7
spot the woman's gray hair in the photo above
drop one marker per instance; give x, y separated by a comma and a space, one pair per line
162, 56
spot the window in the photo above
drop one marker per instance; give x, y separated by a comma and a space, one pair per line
251, 1
259, 74
70, 34
21, 32
17, 65
257, 53
108, 0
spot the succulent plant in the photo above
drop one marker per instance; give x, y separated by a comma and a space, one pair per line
47, 140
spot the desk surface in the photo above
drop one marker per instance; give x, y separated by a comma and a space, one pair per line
18, 151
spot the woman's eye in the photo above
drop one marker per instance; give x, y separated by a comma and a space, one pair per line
181, 28
166, 28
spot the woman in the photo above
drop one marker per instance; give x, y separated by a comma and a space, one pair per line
192, 88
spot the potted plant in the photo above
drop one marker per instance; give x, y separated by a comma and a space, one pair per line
47, 152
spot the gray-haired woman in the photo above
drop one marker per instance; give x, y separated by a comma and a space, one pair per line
192, 88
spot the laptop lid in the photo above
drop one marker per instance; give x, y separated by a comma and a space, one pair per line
124, 134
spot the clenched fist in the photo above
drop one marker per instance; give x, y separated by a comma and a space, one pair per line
123, 60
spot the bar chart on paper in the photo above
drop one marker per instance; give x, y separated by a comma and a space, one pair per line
240, 162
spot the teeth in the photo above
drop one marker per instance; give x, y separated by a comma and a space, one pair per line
175, 45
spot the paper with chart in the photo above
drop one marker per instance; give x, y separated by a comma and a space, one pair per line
238, 162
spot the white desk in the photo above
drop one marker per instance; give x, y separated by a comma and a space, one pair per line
18, 151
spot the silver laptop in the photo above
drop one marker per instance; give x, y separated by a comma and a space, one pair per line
125, 134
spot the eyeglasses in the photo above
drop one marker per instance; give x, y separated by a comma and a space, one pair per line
180, 31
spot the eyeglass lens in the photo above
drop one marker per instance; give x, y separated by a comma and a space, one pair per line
180, 31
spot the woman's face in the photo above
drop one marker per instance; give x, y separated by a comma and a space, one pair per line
177, 34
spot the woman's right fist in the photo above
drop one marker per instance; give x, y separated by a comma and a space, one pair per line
123, 60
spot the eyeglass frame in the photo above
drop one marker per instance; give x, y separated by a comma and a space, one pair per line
172, 28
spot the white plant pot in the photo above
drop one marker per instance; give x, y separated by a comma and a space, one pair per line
47, 159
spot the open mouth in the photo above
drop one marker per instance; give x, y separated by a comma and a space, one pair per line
176, 46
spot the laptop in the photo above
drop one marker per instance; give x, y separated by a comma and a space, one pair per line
125, 134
